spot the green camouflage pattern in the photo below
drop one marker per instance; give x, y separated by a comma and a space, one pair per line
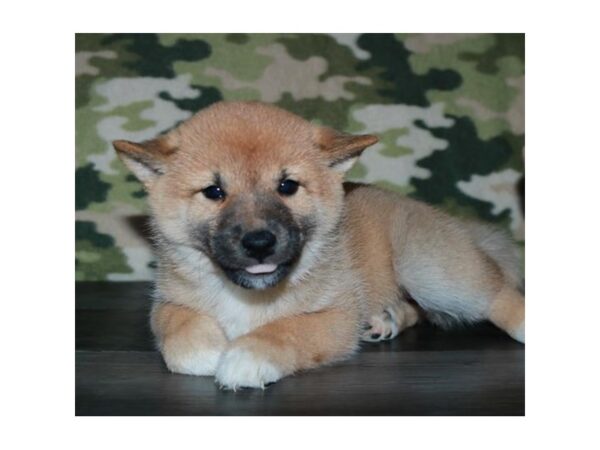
449, 109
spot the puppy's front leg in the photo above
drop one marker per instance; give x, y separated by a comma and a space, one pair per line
190, 342
287, 345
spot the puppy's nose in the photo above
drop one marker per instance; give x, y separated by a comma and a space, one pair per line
259, 244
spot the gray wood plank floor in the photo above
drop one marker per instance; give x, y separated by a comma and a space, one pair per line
425, 371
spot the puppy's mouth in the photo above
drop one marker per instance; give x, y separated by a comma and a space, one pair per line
258, 276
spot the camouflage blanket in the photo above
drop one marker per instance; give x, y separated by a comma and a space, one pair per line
449, 110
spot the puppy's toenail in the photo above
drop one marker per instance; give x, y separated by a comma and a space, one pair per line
375, 336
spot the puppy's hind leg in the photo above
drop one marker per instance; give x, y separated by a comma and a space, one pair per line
454, 279
388, 311
507, 312
448, 297
389, 318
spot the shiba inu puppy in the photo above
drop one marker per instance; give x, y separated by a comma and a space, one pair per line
269, 264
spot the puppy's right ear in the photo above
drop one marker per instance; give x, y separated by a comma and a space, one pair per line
147, 160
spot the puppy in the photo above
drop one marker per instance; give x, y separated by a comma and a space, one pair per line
269, 264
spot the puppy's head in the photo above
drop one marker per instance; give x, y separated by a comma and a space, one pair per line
255, 188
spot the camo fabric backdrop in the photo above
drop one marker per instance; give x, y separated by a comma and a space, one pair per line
449, 110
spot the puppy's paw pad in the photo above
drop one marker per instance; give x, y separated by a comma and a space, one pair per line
239, 368
381, 327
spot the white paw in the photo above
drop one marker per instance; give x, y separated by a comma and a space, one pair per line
240, 367
192, 363
381, 327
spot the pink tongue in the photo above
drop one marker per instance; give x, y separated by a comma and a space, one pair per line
261, 268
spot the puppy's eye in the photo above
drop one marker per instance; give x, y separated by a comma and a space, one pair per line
214, 193
288, 187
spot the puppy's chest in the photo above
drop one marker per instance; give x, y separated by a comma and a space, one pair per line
239, 312
238, 316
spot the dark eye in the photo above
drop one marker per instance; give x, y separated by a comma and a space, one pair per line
288, 187
213, 193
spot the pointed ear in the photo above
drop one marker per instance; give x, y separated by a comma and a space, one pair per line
147, 160
343, 149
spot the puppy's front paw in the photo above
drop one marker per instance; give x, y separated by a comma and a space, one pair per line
202, 363
242, 367
188, 360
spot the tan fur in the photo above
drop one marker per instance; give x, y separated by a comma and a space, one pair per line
430, 254
304, 341
371, 252
373, 256
507, 311
185, 336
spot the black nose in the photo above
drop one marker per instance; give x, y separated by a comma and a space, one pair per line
259, 244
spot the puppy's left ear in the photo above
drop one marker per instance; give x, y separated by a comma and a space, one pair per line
343, 149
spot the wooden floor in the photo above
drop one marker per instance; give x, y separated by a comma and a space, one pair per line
425, 371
